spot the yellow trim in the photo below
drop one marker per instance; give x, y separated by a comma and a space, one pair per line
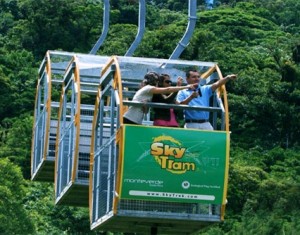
208, 72
226, 176
222, 212
117, 84
120, 143
48, 106
77, 119
33, 129
222, 91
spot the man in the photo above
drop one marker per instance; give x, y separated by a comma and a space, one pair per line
199, 97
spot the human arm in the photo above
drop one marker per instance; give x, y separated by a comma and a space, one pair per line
168, 90
170, 97
223, 81
187, 100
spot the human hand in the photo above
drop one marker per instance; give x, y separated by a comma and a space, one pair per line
179, 81
193, 86
195, 94
231, 76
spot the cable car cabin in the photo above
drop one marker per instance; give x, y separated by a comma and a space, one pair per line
76, 111
48, 91
149, 179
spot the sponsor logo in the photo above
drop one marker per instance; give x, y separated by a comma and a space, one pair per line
170, 155
150, 182
185, 184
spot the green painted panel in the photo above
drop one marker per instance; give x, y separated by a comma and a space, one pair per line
173, 164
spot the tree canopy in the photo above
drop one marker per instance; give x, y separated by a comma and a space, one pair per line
258, 40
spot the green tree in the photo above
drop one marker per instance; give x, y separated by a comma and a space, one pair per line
119, 39
49, 218
14, 217
43, 26
165, 39
17, 141
19, 82
243, 183
259, 40
5, 95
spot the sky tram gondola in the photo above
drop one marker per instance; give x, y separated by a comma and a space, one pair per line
136, 183
141, 179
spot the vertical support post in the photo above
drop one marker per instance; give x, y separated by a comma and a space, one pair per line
183, 43
141, 30
104, 28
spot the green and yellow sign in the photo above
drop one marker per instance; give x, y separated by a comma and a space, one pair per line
173, 164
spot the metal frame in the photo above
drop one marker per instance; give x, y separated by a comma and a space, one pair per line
119, 80
45, 115
76, 112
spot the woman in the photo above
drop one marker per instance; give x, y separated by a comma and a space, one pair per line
163, 116
135, 115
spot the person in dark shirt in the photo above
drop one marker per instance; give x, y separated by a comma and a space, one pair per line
163, 116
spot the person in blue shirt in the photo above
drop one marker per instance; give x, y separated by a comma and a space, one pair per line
199, 97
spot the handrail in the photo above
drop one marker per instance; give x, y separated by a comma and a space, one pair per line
173, 106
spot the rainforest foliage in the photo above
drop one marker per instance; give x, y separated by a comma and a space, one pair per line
258, 40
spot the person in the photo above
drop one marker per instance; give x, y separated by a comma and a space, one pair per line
163, 116
135, 114
199, 97
143, 83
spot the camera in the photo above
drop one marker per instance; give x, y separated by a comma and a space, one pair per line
199, 91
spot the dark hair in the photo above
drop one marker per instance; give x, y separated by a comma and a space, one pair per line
151, 77
161, 79
187, 74
143, 83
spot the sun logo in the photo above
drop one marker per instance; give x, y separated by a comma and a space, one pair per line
169, 154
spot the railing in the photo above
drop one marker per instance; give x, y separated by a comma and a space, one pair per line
76, 113
45, 115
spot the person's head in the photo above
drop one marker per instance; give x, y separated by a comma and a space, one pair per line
151, 78
192, 76
143, 83
164, 80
